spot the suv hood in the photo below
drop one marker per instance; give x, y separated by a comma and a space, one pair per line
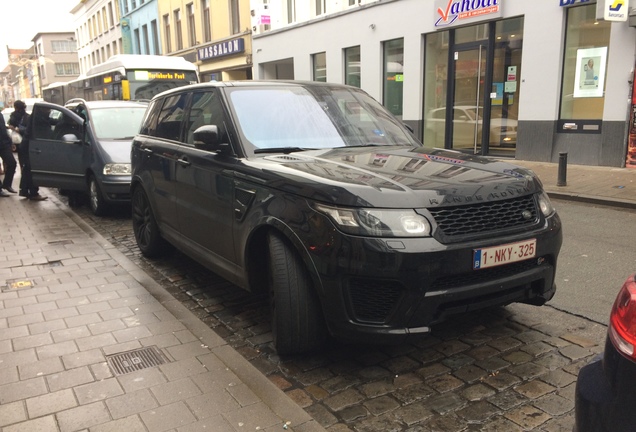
394, 177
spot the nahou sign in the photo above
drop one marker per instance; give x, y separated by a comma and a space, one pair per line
456, 12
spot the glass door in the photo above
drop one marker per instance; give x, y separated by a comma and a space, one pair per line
469, 86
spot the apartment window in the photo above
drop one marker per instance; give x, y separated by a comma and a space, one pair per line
99, 23
42, 72
353, 2
166, 30
116, 48
63, 46
90, 28
584, 66
67, 69
192, 35
138, 41
144, 30
234, 16
320, 7
205, 20
352, 66
105, 19
393, 75
110, 14
319, 64
125, 6
155, 37
133, 4
291, 11
178, 29
108, 51
95, 32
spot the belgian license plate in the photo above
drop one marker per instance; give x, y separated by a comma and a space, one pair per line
504, 254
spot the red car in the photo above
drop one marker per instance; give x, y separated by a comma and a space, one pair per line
605, 396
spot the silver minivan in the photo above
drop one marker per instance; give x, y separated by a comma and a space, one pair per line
83, 149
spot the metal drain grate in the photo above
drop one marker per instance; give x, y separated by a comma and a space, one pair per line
61, 242
130, 361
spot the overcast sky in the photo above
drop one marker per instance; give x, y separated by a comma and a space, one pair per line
23, 19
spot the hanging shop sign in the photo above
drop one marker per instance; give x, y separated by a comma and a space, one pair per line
612, 10
225, 48
458, 12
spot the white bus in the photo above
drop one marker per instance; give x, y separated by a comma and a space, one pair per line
126, 77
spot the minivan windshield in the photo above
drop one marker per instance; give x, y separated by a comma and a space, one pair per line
320, 117
117, 122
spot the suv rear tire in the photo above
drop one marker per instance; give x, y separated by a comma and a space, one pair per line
145, 227
298, 324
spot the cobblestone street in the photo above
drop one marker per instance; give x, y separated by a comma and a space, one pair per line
505, 369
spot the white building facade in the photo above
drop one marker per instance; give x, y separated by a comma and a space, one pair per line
507, 78
98, 31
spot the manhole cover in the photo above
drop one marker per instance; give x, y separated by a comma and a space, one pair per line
17, 284
130, 361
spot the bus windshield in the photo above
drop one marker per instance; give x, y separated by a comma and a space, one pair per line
147, 89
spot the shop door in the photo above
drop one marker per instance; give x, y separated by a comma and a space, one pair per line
467, 108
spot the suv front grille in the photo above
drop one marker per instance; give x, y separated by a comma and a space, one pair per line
486, 216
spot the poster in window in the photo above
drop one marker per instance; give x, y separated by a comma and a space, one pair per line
590, 72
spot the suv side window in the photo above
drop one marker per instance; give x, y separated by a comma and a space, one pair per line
149, 125
171, 116
206, 110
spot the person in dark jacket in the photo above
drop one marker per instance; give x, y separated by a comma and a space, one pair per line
19, 122
8, 160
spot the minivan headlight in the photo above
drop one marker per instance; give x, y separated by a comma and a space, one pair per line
117, 169
378, 222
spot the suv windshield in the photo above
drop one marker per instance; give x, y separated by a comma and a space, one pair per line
117, 122
320, 118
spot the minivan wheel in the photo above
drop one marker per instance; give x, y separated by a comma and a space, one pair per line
95, 197
297, 321
145, 226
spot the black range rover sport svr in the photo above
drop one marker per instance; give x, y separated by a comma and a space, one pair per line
315, 193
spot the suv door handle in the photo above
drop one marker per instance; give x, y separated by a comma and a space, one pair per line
184, 162
147, 150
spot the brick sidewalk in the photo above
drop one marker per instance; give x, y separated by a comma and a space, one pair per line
70, 300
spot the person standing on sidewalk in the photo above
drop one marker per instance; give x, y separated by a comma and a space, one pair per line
19, 122
8, 160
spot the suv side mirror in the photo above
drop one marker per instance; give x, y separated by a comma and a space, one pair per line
208, 137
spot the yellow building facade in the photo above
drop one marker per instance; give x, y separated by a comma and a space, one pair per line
213, 34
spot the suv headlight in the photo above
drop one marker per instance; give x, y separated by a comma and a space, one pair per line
378, 222
545, 205
117, 169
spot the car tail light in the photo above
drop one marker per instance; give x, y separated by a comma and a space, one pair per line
622, 328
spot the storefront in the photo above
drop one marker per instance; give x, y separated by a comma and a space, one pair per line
226, 60
507, 78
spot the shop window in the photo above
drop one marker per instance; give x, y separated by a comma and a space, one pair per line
352, 66
319, 64
393, 75
584, 65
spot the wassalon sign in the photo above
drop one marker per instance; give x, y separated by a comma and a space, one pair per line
454, 12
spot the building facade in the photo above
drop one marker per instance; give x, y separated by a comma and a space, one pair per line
56, 58
213, 34
492, 77
140, 27
98, 31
